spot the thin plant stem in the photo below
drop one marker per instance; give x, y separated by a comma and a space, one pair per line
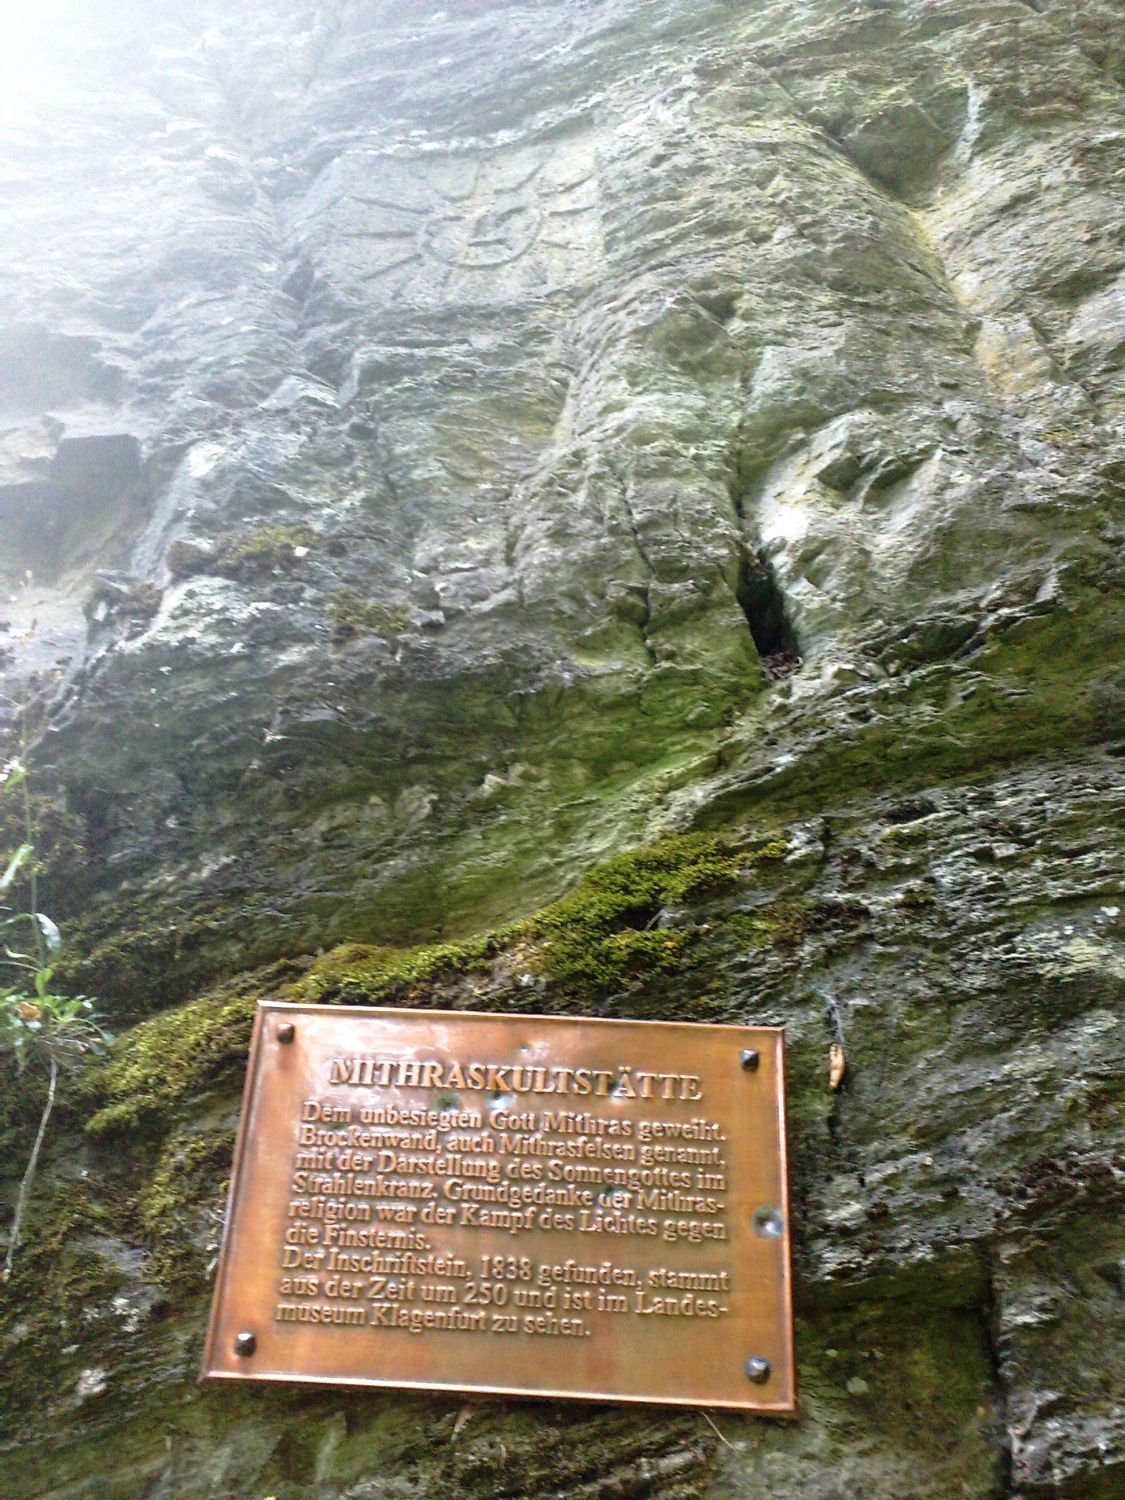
29, 837
29, 1171
715, 1429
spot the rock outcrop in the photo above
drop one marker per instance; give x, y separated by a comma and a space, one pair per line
609, 507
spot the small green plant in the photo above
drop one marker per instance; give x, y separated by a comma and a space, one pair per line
38, 1026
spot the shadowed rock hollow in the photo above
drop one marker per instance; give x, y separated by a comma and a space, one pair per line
600, 507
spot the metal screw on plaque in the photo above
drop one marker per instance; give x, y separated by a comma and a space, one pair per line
245, 1343
286, 1031
767, 1223
749, 1060
757, 1369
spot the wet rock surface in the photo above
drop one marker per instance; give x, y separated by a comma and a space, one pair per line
442, 448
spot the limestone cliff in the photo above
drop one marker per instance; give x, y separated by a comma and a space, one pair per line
608, 506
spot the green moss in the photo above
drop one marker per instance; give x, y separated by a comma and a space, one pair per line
166, 1059
181, 1205
789, 921
603, 932
750, 930
784, 923
365, 974
235, 555
350, 614
268, 547
917, 897
162, 1061
600, 936
779, 924
58, 1278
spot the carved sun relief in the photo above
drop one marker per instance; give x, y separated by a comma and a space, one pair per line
451, 227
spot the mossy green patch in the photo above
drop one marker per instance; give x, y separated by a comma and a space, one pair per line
601, 936
606, 929
611, 960
159, 1063
243, 554
57, 1278
351, 615
365, 974
268, 547
182, 1203
781, 925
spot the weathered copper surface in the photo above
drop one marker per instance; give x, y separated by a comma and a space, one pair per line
523, 1205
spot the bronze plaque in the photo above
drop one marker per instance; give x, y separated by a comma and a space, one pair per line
517, 1205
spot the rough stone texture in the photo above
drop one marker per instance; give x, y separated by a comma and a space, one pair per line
441, 448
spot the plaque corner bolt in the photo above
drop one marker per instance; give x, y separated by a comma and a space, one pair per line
245, 1343
285, 1032
757, 1370
749, 1060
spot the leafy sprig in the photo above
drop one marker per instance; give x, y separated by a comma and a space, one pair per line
38, 1025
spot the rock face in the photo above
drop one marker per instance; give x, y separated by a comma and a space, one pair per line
444, 448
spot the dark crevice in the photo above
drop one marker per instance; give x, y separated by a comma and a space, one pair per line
646, 620
990, 1325
762, 602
